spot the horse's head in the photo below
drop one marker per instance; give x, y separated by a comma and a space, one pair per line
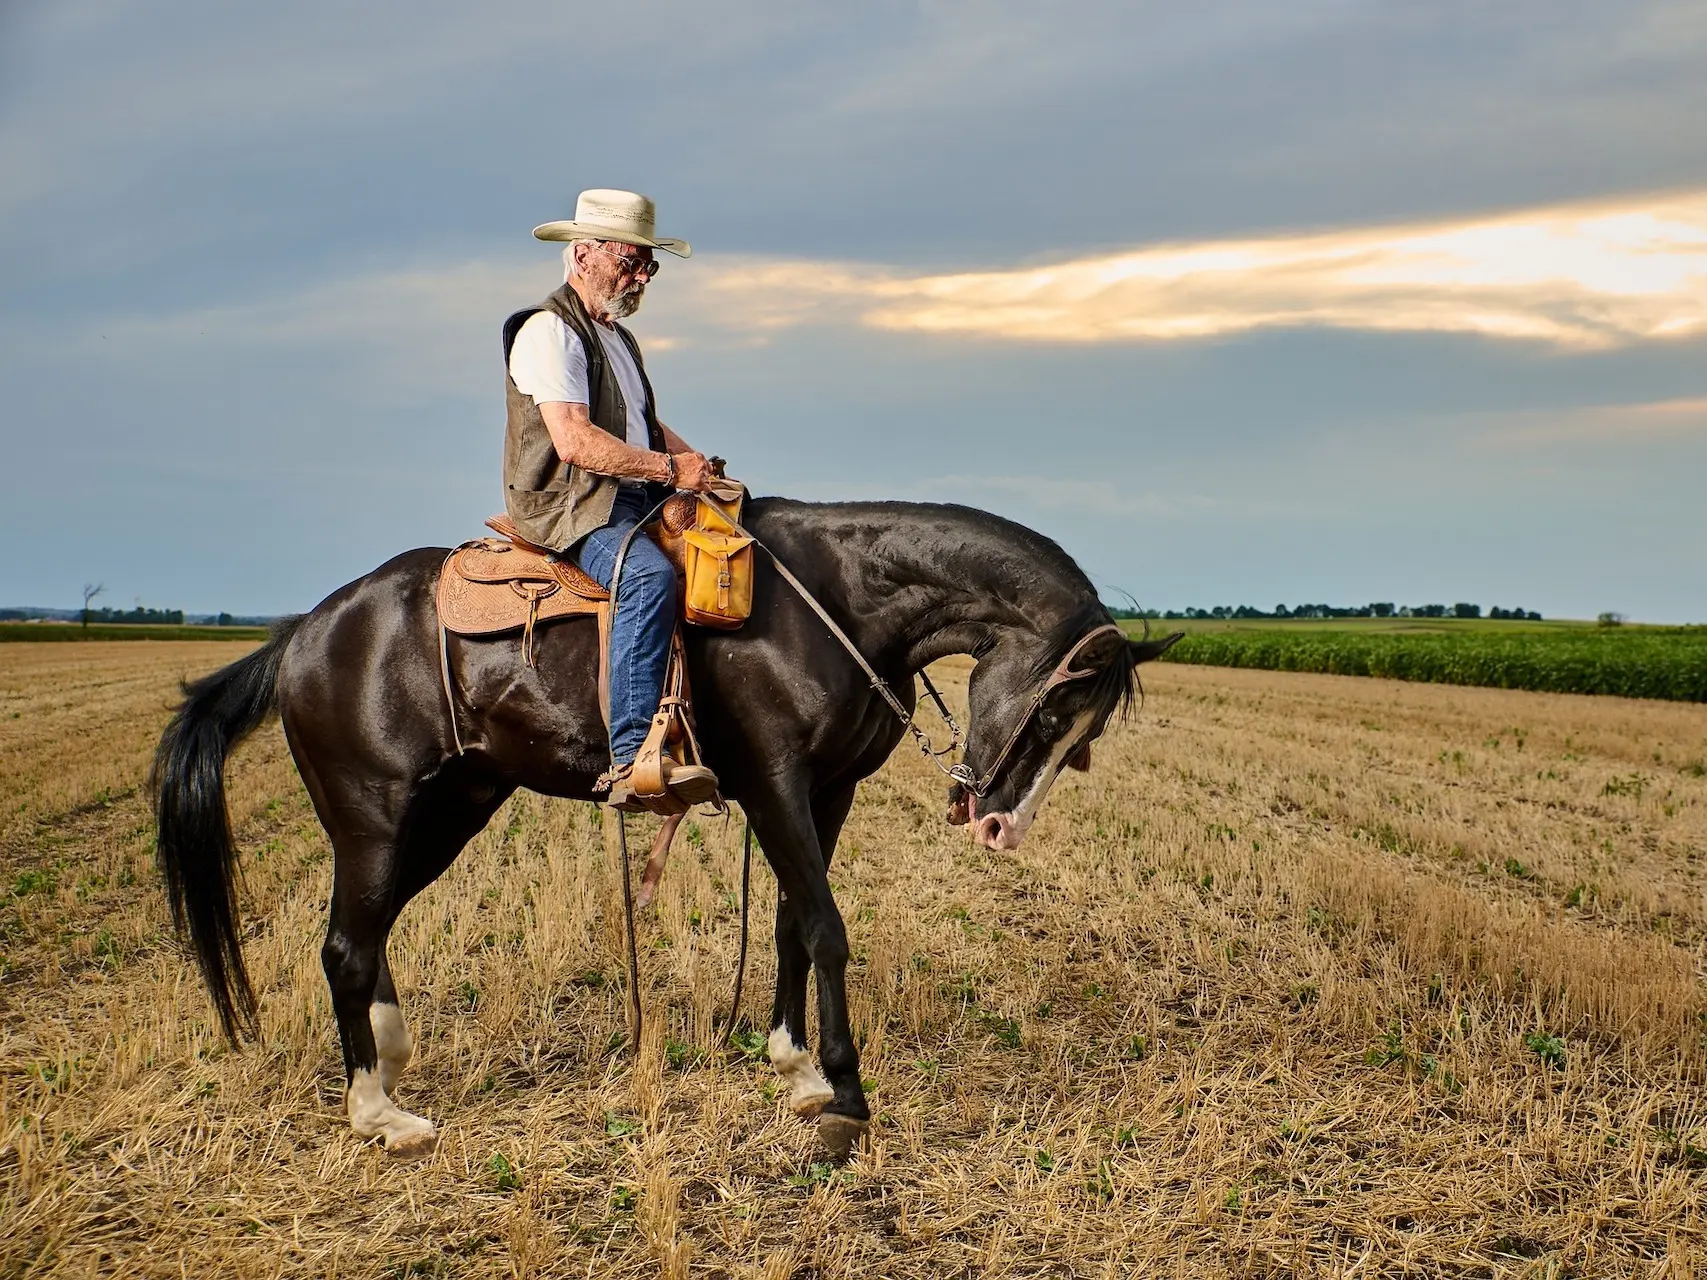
1018, 742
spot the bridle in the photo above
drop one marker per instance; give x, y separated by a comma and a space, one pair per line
1064, 673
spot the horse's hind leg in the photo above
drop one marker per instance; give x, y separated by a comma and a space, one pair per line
391, 1039
354, 957
442, 822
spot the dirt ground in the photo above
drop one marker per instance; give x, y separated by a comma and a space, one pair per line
1310, 976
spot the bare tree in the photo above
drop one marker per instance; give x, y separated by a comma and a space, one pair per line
90, 591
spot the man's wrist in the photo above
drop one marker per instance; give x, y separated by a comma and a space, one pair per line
670, 470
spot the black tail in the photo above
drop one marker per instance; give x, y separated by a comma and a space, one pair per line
197, 857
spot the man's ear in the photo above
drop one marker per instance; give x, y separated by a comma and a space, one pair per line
1150, 650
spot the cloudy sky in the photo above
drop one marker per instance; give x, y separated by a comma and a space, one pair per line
1242, 302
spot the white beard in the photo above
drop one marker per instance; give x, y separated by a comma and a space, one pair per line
624, 304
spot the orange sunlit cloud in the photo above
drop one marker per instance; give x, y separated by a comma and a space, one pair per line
1597, 275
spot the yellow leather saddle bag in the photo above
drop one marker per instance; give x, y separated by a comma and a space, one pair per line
717, 565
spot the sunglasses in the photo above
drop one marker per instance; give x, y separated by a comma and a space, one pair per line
635, 266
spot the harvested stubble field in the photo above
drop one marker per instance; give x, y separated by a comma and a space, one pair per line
1312, 975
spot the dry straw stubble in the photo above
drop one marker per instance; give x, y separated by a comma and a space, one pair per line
1310, 976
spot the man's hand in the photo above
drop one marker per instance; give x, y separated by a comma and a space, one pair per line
693, 471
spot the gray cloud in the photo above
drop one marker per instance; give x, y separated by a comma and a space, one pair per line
252, 263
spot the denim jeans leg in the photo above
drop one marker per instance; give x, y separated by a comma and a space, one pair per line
645, 617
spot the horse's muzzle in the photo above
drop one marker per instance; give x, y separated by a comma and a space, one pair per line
1001, 831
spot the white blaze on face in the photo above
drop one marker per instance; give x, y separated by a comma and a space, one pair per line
1020, 817
808, 1090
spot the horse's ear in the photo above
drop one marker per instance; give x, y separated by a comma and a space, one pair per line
1102, 650
1149, 650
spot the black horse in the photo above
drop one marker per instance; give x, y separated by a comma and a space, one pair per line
786, 719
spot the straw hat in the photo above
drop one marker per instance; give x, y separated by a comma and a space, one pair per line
623, 216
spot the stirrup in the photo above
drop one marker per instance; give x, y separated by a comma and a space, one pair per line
668, 774
617, 787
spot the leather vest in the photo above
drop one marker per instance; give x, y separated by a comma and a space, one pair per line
552, 502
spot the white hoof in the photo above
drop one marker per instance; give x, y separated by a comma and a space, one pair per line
809, 1092
376, 1117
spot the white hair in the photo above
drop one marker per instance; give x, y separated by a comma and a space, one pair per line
569, 255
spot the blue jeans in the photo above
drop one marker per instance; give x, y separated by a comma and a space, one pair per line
646, 607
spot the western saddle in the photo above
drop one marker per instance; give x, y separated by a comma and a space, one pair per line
492, 587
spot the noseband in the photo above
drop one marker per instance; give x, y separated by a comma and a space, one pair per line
1064, 673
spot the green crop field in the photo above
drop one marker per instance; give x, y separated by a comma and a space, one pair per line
1635, 662
1377, 626
70, 631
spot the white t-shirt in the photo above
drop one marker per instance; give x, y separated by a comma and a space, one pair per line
548, 362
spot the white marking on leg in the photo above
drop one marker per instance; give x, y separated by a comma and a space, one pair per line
391, 1040
808, 1090
373, 1115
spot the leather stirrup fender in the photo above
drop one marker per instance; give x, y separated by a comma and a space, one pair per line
604, 664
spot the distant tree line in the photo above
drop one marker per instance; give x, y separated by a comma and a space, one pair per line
1378, 610
157, 617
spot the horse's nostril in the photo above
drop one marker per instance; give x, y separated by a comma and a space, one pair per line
990, 829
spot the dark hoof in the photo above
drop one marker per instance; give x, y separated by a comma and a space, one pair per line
840, 1134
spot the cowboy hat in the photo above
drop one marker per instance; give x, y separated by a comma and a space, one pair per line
623, 216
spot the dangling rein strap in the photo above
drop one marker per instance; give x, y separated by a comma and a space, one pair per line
878, 683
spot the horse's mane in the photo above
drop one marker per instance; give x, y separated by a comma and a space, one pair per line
1115, 686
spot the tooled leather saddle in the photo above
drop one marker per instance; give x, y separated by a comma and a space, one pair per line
496, 585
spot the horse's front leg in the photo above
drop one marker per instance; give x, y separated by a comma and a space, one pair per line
808, 1091
789, 837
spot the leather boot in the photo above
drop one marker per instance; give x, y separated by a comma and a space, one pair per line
690, 783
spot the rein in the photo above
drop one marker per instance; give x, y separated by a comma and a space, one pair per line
1064, 673
635, 1013
959, 772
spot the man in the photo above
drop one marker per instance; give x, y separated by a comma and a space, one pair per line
585, 456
